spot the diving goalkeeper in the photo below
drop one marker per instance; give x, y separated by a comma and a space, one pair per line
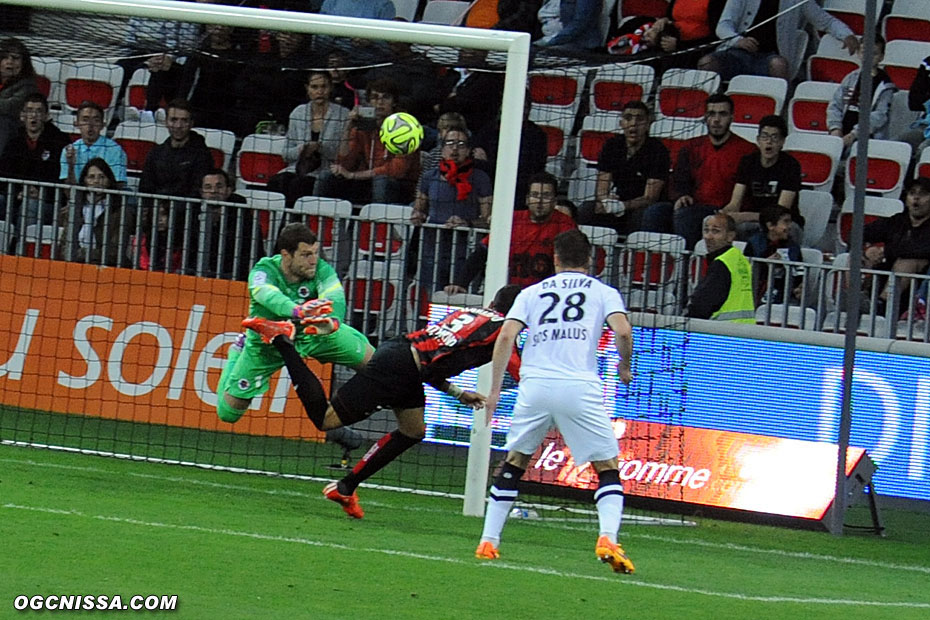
294, 284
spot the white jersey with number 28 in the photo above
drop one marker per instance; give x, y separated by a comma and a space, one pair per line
564, 315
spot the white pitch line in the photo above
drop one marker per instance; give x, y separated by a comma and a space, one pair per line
788, 554
543, 522
473, 563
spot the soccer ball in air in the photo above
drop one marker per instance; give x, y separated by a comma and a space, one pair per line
401, 133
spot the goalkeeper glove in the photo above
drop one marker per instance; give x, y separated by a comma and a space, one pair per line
320, 325
312, 308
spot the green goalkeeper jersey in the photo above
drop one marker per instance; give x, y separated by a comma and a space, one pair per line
271, 296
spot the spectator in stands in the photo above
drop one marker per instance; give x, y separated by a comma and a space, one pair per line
704, 175
843, 109
371, 9
234, 239
176, 166
424, 84
270, 85
918, 100
631, 174
572, 24
314, 135
765, 178
429, 160
477, 94
725, 291
457, 197
208, 75
773, 241
519, 16
94, 224
17, 81
364, 170
901, 243
531, 237
534, 150
755, 43
695, 21
344, 89
33, 154
91, 144
168, 37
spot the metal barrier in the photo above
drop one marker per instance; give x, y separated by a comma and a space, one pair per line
391, 268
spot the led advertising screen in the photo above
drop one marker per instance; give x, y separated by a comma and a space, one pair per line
773, 389
710, 467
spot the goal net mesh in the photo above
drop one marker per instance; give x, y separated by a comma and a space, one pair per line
124, 358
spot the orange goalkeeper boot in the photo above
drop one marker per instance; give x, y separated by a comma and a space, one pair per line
268, 329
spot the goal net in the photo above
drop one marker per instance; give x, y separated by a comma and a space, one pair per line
117, 349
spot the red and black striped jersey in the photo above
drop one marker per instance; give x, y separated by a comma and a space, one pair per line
460, 340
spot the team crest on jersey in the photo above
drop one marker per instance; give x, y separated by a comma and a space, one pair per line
244, 384
304, 292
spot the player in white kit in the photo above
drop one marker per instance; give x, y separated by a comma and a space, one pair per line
559, 385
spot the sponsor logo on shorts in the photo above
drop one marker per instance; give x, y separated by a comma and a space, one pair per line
304, 292
244, 384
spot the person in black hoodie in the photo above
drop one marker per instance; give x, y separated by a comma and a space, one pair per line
175, 168
32, 154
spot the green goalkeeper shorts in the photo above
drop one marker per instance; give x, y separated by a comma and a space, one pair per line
252, 370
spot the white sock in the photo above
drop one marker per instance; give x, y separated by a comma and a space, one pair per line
499, 505
609, 510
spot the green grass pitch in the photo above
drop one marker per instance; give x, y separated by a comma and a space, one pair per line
244, 546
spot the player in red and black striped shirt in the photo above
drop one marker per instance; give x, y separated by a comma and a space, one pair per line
394, 377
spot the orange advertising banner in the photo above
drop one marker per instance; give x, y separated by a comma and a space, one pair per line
130, 345
710, 467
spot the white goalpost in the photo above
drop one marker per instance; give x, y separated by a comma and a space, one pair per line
515, 45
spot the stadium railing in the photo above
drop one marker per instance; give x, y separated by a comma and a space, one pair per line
381, 261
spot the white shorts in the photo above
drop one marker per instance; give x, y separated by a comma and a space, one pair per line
576, 408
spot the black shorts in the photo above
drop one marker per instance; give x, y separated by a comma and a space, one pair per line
390, 379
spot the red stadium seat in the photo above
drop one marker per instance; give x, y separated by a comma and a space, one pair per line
873, 209
807, 110
755, 97
260, 158
137, 139
908, 20
371, 295
831, 63
674, 132
616, 85
91, 81
850, 12
381, 233
682, 93
887, 165
902, 59
819, 156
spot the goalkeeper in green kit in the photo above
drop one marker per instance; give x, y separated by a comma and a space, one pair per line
294, 284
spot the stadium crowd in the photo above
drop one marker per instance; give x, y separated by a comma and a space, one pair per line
695, 140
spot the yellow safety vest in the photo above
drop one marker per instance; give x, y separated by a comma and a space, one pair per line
739, 306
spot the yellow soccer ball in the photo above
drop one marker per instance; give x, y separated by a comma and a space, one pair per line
401, 133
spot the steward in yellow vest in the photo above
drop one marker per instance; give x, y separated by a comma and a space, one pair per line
725, 292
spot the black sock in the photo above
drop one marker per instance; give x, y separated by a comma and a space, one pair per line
308, 387
386, 450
